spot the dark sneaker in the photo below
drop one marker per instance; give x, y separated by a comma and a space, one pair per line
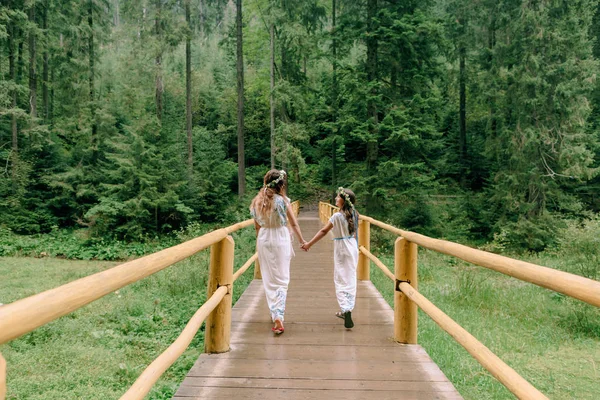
348, 320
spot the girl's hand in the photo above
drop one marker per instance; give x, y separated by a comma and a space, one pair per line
305, 246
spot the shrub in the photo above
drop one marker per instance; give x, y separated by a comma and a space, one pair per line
580, 240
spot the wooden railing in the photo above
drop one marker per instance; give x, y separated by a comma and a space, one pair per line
2, 377
28, 314
407, 298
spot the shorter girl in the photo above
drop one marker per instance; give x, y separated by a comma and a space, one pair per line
344, 226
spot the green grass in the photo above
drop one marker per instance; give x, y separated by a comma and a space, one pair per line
98, 351
551, 340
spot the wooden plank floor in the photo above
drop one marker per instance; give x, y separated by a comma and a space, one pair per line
316, 357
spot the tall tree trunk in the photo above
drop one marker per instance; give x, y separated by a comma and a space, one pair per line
240, 101
491, 44
116, 13
188, 91
283, 111
394, 76
94, 138
12, 72
462, 140
334, 99
32, 64
20, 66
202, 19
304, 60
20, 62
45, 68
271, 98
372, 143
158, 62
51, 107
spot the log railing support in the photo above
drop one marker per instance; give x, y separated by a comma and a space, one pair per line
2, 378
405, 310
364, 239
218, 323
257, 274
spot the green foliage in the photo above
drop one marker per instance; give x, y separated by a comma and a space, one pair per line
147, 198
391, 130
582, 241
540, 155
535, 234
76, 245
214, 175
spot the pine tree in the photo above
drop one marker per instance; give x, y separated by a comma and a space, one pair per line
542, 143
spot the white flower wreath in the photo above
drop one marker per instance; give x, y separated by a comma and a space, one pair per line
341, 192
281, 177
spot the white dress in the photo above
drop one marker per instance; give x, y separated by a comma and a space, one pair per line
274, 254
345, 261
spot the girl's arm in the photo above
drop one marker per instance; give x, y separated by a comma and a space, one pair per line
294, 224
318, 236
257, 227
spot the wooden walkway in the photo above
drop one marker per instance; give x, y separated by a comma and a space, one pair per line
316, 357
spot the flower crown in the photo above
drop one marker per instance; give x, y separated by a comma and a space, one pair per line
272, 184
342, 193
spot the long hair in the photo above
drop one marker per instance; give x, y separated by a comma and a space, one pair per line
274, 182
348, 209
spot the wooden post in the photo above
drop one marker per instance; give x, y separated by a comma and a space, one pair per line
405, 310
363, 272
257, 274
218, 323
2, 378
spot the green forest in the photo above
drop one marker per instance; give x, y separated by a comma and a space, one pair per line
474, 121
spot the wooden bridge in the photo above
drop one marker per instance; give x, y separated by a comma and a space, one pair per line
316, 357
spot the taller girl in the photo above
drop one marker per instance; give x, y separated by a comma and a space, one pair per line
272, 214
344, 226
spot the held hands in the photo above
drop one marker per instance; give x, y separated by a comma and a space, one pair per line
305, 246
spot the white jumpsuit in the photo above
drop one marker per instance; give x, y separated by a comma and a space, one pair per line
274, 254
345, 261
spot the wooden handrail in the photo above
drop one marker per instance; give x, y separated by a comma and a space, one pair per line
148, 378
323, 214
572, 285
245, 267
25, 315
505, 374
2, 378
584, 289
500, 370
221, 257
378, 262
29, 313
240, 225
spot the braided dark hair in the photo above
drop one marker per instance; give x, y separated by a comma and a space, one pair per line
348, 209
